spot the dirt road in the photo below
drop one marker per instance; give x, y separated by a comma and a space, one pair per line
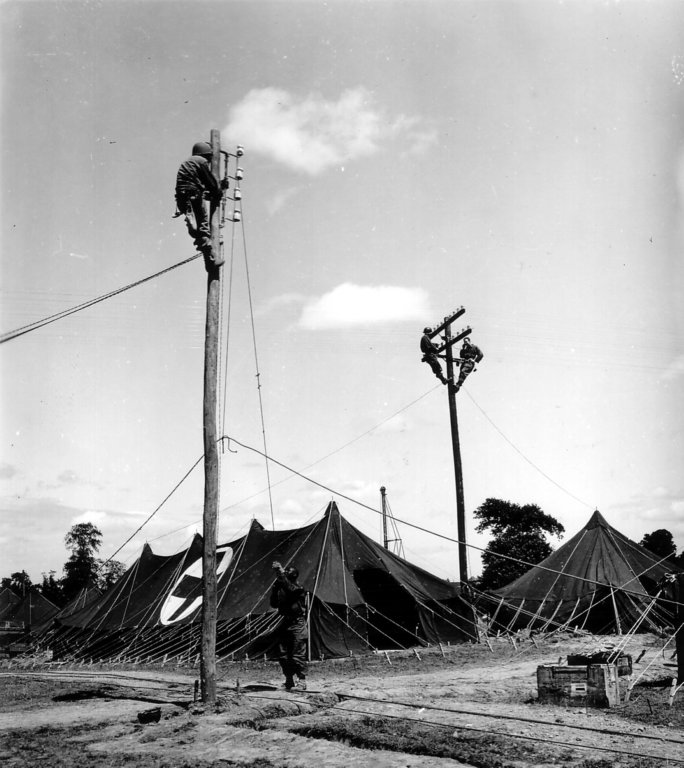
461, 706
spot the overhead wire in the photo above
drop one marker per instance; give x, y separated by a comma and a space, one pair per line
419, 527
529, 461
258, 372
9, 335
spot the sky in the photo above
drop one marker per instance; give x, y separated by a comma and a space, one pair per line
523, 159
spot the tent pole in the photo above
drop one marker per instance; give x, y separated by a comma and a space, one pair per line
384, 517
615, 611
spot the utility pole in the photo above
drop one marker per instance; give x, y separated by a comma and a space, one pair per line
447, 347
384, 517
211, 457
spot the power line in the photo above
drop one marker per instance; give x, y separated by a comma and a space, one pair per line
427, 530
529, 461
91, 302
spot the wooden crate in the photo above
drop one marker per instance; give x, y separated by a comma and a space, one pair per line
593, 685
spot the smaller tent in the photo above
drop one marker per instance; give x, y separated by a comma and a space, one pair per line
8, 602
599, 580
30, 612
360, 597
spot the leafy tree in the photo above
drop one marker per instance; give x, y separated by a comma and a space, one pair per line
19, 582
518, 532
661, 543
52, 588
84, 540
109, 572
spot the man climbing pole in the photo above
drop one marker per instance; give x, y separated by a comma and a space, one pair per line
470, 354
430, 354
194, 183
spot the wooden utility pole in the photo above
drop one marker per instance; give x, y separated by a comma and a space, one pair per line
447, 347
384, 517
458, 467
211, 457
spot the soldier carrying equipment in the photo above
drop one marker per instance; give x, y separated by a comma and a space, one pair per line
194, 183
430, 355
470, 354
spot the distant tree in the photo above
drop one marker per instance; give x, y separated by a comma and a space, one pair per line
518, 532
109, 572
80, 570
19, 582
661, 543
52, 588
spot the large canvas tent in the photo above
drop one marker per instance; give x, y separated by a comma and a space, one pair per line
360, 597
599, 580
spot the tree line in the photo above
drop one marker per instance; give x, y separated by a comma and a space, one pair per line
520, 532
82, 570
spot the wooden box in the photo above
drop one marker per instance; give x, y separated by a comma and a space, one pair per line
593, 685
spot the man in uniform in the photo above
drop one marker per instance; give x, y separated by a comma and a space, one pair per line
194, 183
289, 598
470, 354
430, 354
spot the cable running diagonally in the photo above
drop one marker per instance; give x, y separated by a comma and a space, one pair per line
421, 528
531, 463
91, 302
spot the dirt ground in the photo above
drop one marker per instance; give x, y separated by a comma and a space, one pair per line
455, 706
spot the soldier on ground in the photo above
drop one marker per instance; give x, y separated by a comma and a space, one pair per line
289, 598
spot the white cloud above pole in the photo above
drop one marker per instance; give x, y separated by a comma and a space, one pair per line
352, 305
311, 134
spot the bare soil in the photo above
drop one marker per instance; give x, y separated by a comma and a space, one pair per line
455, 706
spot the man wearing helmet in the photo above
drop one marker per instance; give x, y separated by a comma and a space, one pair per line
430, 354
470, 354
194, 183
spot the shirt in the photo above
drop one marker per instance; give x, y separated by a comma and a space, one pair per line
471, 352
427, 347
289, 598
195, 177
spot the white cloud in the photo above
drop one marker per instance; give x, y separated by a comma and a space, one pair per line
349, 304
312, 134
97, 518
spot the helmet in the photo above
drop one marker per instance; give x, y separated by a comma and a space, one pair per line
427, 330
202, 148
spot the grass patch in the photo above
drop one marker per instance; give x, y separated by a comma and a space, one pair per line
421, 739
442, 741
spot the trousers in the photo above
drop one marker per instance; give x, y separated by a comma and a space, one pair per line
466, 369
433, 362
292, 651
197, 221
